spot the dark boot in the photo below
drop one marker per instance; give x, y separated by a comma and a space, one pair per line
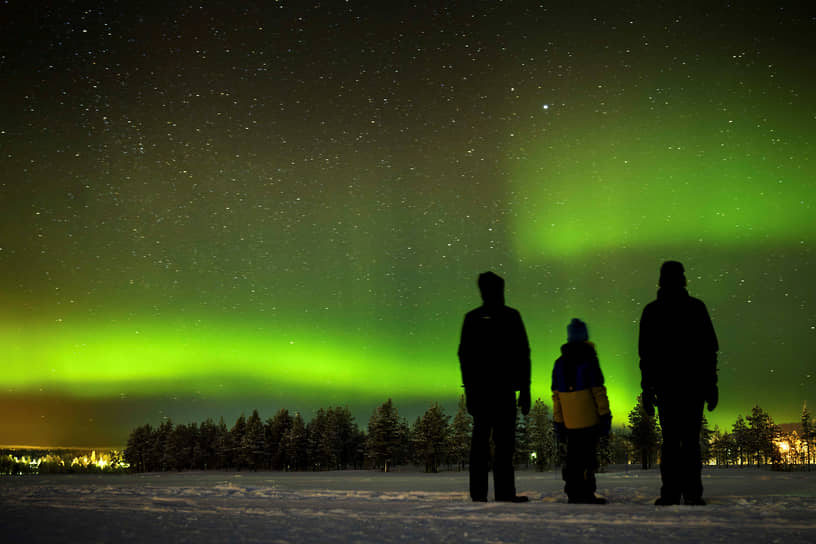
515, 498
667, 501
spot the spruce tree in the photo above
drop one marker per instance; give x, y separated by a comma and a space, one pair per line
276, 429
386, 435
706, 435
294, 446
157, 451
644, 435
178, 448
739, 432
605, 453
223, 445
320, 436
762, 434
460, 436
207, 442
723, 447
618, 447
189, 437
808, 435
196, 460
345, 436
358, 443
253, 443
139, 443
541, 440
430, 438
237, 433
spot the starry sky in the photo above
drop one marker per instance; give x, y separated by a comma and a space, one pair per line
210, 207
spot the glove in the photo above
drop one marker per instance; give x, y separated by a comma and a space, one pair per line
648, 401
606, 424
713, 398
524, 401
560, 432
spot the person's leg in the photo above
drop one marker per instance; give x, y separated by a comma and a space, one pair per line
479, 458
691, 457
571, 471
670, 462
581, 465
504, 438
590, 462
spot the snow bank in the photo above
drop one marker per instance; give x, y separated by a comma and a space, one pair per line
201, 507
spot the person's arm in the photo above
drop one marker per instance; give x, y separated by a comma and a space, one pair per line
464, 352
523, 379
558, 413
646, 353
466, 363
645, 350
710, 347
598, 390
709, 344
523, 343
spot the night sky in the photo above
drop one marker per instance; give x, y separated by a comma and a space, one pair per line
207, 208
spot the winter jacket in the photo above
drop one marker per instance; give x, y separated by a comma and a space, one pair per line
677, 346
579, 394
494, 353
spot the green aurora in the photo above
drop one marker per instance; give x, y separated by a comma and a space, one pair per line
196, 223
638, 178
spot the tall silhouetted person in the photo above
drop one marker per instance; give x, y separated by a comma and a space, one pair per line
678, 365
494, 356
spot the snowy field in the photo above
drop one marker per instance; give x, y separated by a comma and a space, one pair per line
202, 507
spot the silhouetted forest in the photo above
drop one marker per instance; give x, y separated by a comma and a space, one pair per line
753, 440
332, 440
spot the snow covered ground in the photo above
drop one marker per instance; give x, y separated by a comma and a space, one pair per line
201, 507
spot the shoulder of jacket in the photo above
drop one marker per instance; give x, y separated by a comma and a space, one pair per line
697, 302
513, 311
650, 307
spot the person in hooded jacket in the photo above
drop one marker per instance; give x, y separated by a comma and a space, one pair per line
581, 412
678, 364
494, 358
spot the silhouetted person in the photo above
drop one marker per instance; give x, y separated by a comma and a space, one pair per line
494, 356
678, 365
580, 412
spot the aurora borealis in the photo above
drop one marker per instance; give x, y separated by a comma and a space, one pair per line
207, 208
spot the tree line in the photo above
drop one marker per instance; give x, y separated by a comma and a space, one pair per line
753, 440
332, 440
59, 460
